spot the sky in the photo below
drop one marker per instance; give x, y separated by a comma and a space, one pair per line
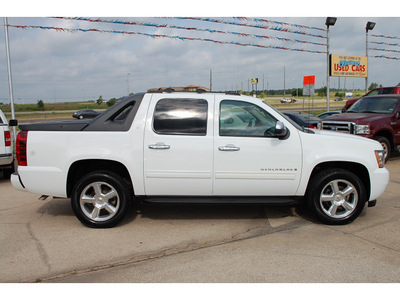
71, 65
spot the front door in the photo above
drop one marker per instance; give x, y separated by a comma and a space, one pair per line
249, 160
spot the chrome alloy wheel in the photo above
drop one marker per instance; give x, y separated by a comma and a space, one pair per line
99, 201
339, 198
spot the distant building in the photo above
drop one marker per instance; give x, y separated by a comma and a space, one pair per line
189, 88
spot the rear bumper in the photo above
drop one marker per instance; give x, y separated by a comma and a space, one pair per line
16, 182
6, 160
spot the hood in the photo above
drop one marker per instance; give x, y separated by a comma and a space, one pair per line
358, 118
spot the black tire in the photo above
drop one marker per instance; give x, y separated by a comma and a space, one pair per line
336, 196
386, 146
100, 199
80, 117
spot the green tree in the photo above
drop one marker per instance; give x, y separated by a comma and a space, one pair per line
297, 92
100, 100
322, 91
111, 102
372, 86
40, 105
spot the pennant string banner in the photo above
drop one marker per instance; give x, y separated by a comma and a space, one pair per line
387, 44
385, 50
159, 36
281, 23
386, 37
253, 26
189, 28
386, 57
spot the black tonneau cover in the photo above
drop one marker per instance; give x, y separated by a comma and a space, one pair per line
117, 118
56, 126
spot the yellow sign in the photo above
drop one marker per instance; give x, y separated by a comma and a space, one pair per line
348, 66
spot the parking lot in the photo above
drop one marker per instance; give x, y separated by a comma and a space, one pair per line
42, 241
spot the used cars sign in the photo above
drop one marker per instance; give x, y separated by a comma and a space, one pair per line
348, 66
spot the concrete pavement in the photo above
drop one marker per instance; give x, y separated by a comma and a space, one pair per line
42, 241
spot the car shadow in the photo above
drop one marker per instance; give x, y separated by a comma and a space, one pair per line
157, 211
210, 211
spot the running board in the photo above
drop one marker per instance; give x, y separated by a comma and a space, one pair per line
274, 200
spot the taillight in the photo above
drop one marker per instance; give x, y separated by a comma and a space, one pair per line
312, 126
7, 138
20, 147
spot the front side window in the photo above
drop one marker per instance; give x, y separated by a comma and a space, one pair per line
181, 117
239, 118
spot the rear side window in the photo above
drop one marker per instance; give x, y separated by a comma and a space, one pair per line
181, 117
387, 91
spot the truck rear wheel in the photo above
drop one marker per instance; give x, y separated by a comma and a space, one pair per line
336, 196
100, 199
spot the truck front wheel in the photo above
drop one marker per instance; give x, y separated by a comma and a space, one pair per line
336, 196
385, 145
100, 199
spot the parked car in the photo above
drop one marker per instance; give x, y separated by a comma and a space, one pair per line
85, 114
304, 119
6, 147
339, 99
377, 91
328, 113
375, 117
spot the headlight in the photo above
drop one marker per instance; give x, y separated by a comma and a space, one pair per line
380, 158
362, 129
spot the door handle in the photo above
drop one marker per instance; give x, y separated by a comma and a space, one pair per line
228, 147
159, 146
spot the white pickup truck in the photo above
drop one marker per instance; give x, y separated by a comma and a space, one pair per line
197, 148
6, 148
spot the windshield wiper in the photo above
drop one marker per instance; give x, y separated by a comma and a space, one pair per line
370, 112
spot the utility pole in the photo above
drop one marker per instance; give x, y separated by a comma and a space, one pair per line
284, 82
210, 80
127, 83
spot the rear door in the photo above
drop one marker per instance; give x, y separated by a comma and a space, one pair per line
178, 145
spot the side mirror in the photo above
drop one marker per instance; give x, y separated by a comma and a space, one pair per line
13, 122
281, 131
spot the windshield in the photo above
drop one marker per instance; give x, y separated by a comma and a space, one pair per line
377, 105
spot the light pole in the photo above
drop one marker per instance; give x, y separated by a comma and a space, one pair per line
370, 26
330, 21
10, 84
